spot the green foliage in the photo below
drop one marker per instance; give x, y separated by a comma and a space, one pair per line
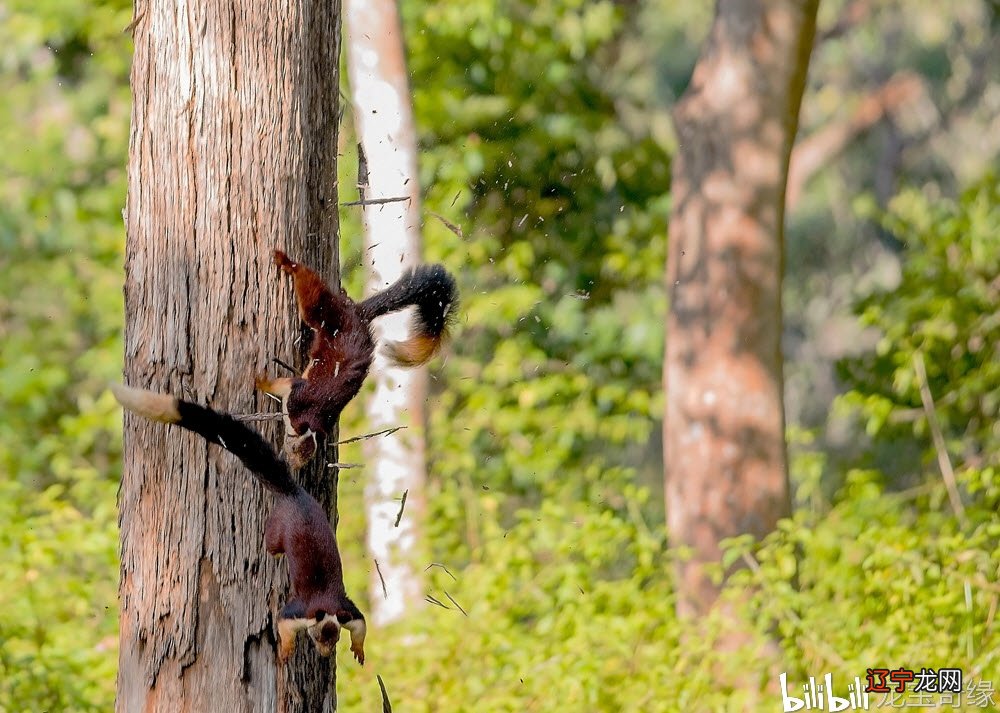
942, 139
548, 396
942, 317
58, 626
876, 577
568, 608
553, 553
527, 122
543, 141
565, 610
62, 155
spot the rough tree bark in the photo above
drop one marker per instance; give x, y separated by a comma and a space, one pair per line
232, 153
383, 115
725, 464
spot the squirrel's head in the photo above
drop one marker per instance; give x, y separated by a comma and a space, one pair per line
325, 633
299, 450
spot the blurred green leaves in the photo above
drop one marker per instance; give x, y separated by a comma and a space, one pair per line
545, 139
944, 312
553, 382
63, 133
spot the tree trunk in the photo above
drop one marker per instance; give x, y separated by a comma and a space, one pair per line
232, 153
383, 116
725, 465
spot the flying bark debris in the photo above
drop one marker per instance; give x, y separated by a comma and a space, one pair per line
127, 30
452, 600
376, 201
386, 706
402, 504
362, 172
432, 600
436, 564
449, 225
251, 417
386, 432
385, 590
283, 365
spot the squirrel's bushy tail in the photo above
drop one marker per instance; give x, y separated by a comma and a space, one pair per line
433, 291
219, 428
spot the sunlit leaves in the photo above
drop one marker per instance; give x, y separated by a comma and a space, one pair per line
63, 134
554, 377
944, 314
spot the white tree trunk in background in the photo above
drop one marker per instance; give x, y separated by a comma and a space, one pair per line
383, 117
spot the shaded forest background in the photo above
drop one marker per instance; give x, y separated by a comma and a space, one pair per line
546, 138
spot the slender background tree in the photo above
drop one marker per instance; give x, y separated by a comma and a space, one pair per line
232, 153
395, 464
724, 427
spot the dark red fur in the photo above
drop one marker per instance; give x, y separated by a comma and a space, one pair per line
342, 348
297, 527
339, 356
